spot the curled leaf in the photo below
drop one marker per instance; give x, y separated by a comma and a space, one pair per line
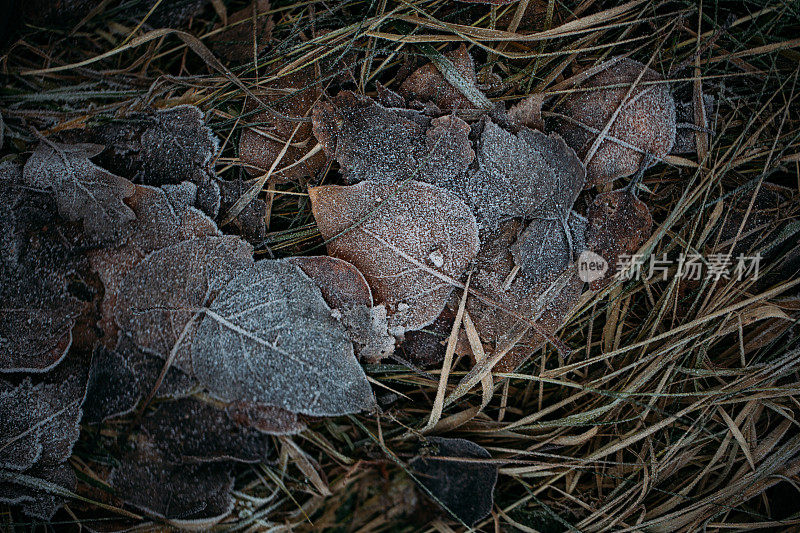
83, 191
645, 123
408, 240
427, 84
618, 224
269, 338
464, 488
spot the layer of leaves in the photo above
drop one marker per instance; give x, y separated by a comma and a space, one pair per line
427, 84
410, 241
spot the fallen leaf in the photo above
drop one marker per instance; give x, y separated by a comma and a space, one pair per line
427, 84
341, 283
164, 216
37, 313
291, 99
371, 142
162, 294
463, 488
163, 147
547, 246
618, 225
191, 431
527, 113
269, 338
645, 123
82, 190
246, 34
507, 298
426, 347
408, 240
528, 175
685, 136
191, 496
251, 222
35, 489
368, 329
266, 418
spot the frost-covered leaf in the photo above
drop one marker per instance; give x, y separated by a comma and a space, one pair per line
83, 190
167, 290
499, 313
426, 347
618, 225
164, 216
527, 113
464, 488
120, 378
646, 122
341, 283
163, 147
427, 84
528, 175
191, 431
247, 33
260, 144
251, 222
265, 418
371, 142
37, 490
686, 127
192, 496
406, 240
37, 313
270, 338
547, 246
368, 328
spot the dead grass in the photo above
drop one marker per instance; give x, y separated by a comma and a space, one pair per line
677, 407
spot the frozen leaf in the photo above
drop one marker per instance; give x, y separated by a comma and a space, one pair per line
251, 222
406, 239
368, 328
341, 283
191, 431
83, 191
265, 418
164, 216
464, 488
427, 84
371, 142
194, 496
645, 123
292, 97
269, 338
163, 147
161, 296
686, 128
506, 297
37, 314
121, 377
246, 34
527, 113
528, 175
618, 225
426, 347
547, 246
37, 490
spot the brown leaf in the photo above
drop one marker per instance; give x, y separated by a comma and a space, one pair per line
618, 225
464, 488
407, 248
527, 113
545, 302
265, 418
645, 124
235, 42
251, 222
163, 217
342, 284
83, 191
427, 84
426, 347
266, 133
